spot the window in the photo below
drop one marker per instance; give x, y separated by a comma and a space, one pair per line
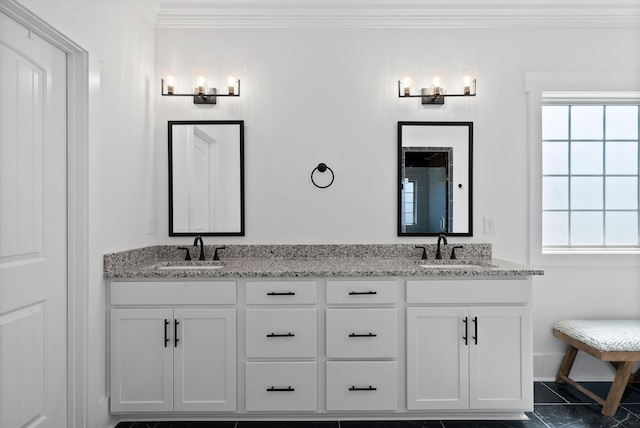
409, 202
590, 164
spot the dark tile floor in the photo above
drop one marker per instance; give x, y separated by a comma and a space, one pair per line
555, 406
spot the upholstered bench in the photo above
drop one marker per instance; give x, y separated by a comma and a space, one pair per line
615, 341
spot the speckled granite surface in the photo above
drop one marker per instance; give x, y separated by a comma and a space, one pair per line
242, 261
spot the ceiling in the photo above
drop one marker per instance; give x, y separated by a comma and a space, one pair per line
390, 13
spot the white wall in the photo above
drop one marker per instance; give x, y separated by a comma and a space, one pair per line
120, 46
330, 95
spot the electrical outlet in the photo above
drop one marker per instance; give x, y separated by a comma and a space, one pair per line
489, 225
151, 225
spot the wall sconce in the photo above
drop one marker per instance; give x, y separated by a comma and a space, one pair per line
201, 93
436, 94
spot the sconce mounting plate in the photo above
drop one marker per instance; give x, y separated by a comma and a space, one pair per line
209, 98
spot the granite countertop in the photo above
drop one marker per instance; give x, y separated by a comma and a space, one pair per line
316, 261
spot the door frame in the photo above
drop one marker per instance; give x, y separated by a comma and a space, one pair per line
77, 206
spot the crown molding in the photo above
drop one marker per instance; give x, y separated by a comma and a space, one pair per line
397, 13
148, 8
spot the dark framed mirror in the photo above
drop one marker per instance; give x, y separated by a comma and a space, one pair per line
206, 178
435, 165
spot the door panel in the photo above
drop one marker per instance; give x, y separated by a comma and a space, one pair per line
503, 351
205, 360
33, 228
142, 344
437, 358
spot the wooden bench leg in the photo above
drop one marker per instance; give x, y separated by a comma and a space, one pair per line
567, 363
617, 388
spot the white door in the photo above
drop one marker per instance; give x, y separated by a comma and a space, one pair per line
437, 358
501, 372
33, 230
142, 345
205, 360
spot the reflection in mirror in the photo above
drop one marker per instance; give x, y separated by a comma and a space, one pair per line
434, 178
206, 178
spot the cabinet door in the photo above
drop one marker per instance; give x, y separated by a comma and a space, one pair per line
205, 360
501, 371
437, 358
141, 360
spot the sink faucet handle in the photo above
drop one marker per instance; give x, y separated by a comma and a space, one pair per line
453, 252
188, 256
424, 251
215, 252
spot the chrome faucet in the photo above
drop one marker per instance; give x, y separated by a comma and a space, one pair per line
441, 237
195, 242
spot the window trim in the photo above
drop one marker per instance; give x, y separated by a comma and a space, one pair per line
560, 86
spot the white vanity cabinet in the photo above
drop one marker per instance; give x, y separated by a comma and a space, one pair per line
169, 358
361, 345
469, 345
281, 337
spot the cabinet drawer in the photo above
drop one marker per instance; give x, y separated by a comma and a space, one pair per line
362, 333
281, 292
370, 385
289, 387
173, 293
281, 333
361, 292
459, 291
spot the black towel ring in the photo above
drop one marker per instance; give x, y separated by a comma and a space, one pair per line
322, 168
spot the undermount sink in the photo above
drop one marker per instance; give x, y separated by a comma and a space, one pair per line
461, 265
199, 267
189, 265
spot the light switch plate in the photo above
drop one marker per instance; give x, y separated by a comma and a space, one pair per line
489, 225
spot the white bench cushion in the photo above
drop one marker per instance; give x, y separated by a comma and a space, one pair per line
605, 335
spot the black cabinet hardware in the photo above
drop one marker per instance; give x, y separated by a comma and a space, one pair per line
368, 388
276, 293
466, 330
166, 335
357, 293
287, 389
175, 333
280, 335
363, 335
475, 329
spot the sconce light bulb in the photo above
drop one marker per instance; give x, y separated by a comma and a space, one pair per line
437, 82
201, 80
231, 81
407, 86
171, 80
466, 85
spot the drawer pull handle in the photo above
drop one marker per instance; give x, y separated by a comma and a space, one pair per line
369, 388
280, 335
175, 333
358, 293
363, 335
475, 329
276, 293
466, 330
166, 336
287, 389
